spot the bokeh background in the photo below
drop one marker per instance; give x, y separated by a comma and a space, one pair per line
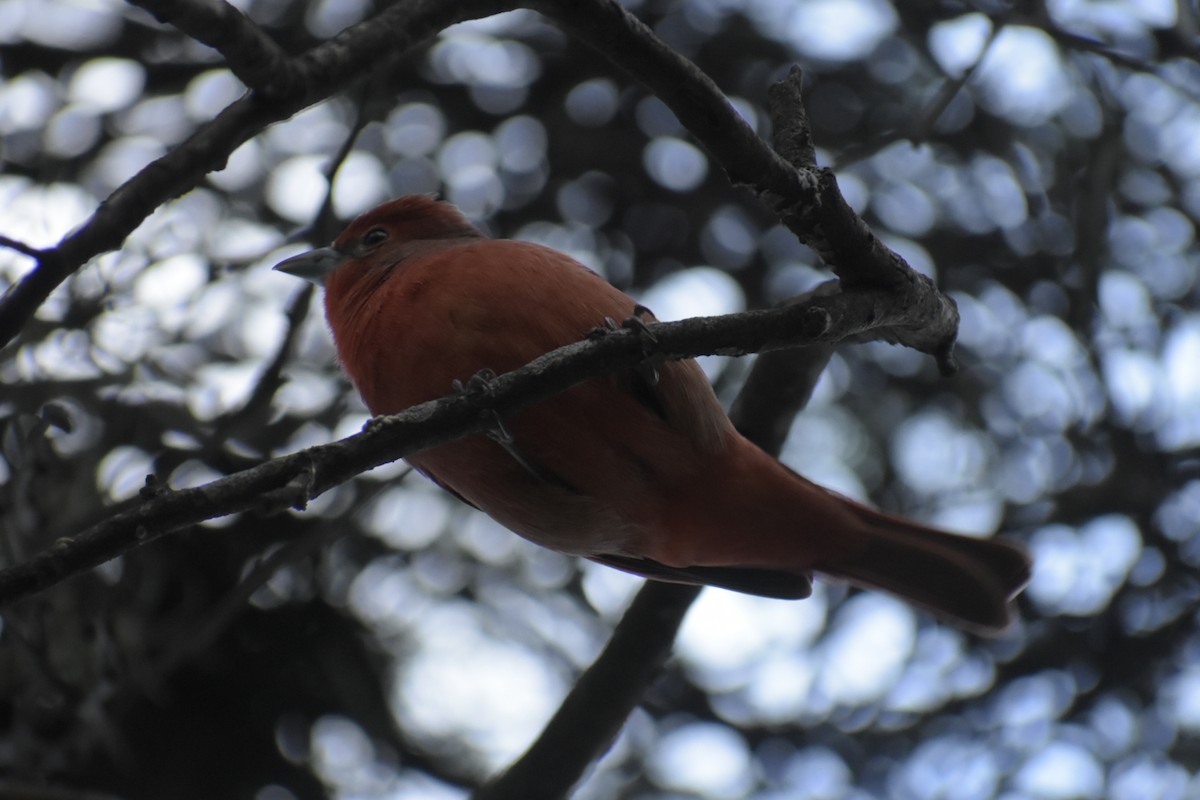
1040, 160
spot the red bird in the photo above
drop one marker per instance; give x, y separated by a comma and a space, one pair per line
645, 476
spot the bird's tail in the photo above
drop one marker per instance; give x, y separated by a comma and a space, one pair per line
968, 582
750, 524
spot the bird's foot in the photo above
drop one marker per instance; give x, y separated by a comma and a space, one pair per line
647, 370
481, 384
635, 322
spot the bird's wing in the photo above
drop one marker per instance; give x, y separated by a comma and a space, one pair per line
442, 485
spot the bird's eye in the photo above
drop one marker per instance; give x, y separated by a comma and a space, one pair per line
374, 236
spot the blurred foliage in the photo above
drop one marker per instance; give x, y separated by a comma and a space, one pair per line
1042, 160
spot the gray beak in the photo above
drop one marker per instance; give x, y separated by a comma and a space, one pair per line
315, 265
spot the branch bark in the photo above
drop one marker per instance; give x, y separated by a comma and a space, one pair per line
298, 83
250, 54
593, 713
294, 479
805, 197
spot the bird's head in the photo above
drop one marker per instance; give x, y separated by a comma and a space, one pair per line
382, 238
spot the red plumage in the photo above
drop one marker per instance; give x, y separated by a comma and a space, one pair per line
648, 477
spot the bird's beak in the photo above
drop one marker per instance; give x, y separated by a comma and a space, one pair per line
315, 265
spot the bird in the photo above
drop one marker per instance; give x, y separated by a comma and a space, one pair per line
640, 470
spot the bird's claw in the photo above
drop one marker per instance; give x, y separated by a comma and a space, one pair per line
481, 384
648, 372
647, 369
600, 331
633, 322
500, 434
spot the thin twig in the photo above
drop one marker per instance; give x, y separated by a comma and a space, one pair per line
309, 78
20, 247
272, 375
251, 55
925, 122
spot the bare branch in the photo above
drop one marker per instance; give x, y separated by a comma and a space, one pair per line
699, 104
591, 716
294, 479
779, 386
307, 79
257, 405
807, 199
593, 713
250, 54
20, 247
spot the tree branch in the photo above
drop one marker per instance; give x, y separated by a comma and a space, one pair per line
806, 198
301, 82
779, 386
257, 407
594, 711
294, 479
251, 55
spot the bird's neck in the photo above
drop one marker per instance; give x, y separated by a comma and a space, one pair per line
351, 305
370, 309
